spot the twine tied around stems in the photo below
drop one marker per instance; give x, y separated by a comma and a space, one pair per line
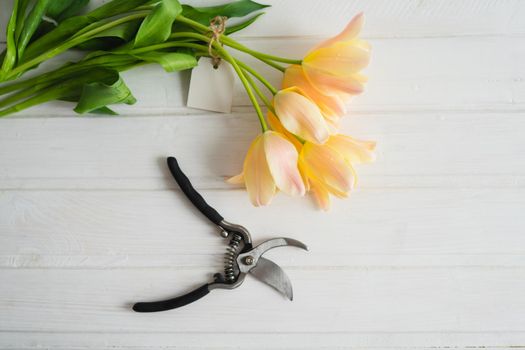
217, 27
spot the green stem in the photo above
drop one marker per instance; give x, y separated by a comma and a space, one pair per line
85, 64
224, 53
259, 93
165, 46
72, 43
207, 39
20, 95
48, 91
218, 47
62, 72
10, 58
272, 64
145, 7
238, 46
200, 27
258, 76
192, 35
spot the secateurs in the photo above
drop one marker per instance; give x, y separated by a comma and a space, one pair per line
241, 257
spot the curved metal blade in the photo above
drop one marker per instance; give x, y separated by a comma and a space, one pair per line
278, 242
270, 273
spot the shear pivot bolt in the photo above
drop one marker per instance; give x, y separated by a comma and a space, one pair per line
248, 260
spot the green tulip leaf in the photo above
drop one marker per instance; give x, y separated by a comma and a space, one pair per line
57, 12
111, 38
238, 8
62, 32
45, 27
32, 21
60, 10
170, 61
10, 51
156, 27
73, 25
21, 17
242, 25
109, 90
114, 8
72, 88
104, 110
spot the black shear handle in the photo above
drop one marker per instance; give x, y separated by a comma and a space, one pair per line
192, 194
174, 303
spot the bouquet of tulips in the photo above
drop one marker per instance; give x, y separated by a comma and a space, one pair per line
299, 149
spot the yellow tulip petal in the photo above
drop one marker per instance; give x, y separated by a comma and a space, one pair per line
325, 165
342, 87
333, 125
276, 125
281, 157
236, 180
330, 106
351, 31
353, 150
301, 116
321, 195
340, 59
259, 182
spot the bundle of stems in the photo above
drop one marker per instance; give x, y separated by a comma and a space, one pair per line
118, 36
300, 148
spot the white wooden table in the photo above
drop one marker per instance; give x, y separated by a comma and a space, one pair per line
429, 252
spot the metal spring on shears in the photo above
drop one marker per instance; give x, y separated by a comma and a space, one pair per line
230, 256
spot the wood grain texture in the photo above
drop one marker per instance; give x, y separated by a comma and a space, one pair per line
438, 149
428, 253
353, 300
260, 341
385, 18
134, 229
406, 75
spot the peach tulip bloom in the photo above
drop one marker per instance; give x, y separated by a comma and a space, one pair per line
332, 107
270, 164
333, 66
353, 150
300, 115
328, 168
276, 125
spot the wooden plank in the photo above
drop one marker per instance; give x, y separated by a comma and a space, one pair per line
260, 341
159, 229
385, 18
343, 301
427, 254
471, 74
459, 150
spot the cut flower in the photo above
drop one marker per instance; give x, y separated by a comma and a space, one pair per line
300, 115
270, 164
334, 66
328, 169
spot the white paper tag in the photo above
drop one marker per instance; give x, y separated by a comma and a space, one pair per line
211, 89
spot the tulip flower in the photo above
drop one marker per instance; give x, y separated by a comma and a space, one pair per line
353, 150
332, 107
328, 168
270, 165
276, 125
333, 66
300, 115
303, 151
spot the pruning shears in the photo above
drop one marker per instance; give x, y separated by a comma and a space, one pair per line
241, 256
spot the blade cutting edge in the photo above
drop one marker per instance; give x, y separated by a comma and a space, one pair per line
270, 273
